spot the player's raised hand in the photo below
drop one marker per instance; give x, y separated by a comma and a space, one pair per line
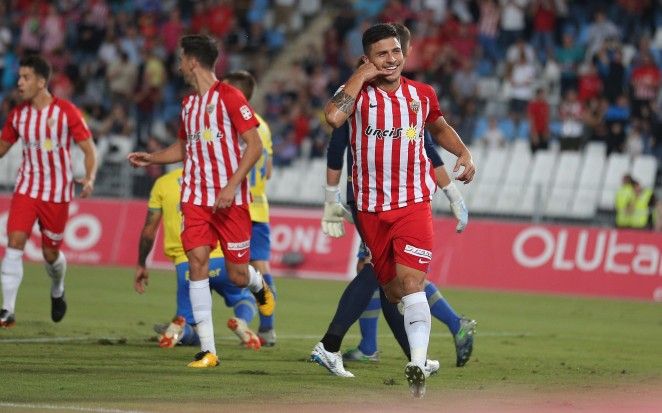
225, 198
138, 159
368, 71
465, 161
141, 279
88, 186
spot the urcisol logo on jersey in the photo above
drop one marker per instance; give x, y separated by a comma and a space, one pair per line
45, 145
411, 133
206, 135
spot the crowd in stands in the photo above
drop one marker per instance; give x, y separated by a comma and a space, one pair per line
547, 71
117, 59
555, 72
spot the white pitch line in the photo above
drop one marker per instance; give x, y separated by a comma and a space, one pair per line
36, 340
71, 408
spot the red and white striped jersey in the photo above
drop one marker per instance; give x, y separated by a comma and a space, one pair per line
211, 125
46, 136
391, 169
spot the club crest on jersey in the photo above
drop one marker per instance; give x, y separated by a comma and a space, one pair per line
210, 108
245, 112
393, 133
414, 105
51, 122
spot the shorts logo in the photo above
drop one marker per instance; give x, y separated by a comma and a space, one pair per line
238, 246
53, 236
424, 256
245, 112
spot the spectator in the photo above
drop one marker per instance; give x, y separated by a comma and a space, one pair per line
590, 83
624, 197
522, 83
513, 14
569, 55
121, 75
488, 28
612, 72
538, 111
616, 118
634, 143
493, 137
544, 22
645, 81
464, 85
572, 126
599, 32
518, 48
640, 207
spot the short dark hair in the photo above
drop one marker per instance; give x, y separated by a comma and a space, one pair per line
242, 80
201, 47
37, 63
376, 33
405, 36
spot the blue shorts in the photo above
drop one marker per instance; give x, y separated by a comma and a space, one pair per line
260, 242
218, 281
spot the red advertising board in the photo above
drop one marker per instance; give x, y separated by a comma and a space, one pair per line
489, 254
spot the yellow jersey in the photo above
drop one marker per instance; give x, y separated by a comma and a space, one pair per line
165, 198
259, 208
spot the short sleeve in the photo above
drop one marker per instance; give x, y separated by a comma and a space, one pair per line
76, 123
9, 132
435, 111
155, 199
241, 114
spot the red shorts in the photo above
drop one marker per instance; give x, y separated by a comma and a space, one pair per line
402, 236
24, 211
229, 226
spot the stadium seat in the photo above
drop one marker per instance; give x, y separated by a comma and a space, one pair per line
585, 202
618, 165
596, 148
489, 181
537, 186
564, 185
644, 169
517, 173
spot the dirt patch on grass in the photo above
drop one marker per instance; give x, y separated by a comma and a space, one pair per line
639, 398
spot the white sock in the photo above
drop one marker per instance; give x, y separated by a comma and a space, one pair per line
56, 271
11, 275
201, 303
254, 280
417, 326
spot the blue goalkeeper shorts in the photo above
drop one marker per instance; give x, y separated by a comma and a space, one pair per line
218, 281
260, 242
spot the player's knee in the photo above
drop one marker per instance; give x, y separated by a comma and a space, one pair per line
238, 274
17, 240
50, 254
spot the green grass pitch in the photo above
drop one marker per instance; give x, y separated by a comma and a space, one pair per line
102, 356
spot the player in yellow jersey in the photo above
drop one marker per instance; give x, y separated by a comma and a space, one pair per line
259, 208
164, 203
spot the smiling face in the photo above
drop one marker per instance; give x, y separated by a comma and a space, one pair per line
386, 54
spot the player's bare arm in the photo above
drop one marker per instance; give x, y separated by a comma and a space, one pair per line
248, 160
90, 154
270, 167
4, 147
445, 135
341, 105
172, 154
145, 245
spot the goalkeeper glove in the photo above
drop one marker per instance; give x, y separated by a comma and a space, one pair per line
458, 207
334, 213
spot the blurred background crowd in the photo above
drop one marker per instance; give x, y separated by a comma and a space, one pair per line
556, 73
